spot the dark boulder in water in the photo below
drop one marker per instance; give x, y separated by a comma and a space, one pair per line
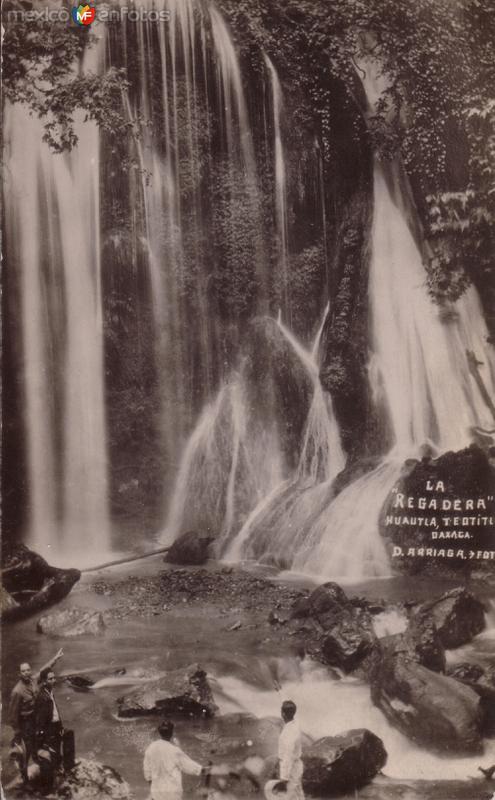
431, 709
422, 643
190, 549
482, 681
183, 692
348, 642
327, 597
339, 764
458, 616
79, 682
32, 582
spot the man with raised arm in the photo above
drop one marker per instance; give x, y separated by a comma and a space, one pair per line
21, 709
48, 730
289, 754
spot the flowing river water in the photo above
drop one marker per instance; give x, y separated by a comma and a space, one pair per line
247, 679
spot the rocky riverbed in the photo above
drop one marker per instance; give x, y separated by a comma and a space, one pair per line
259, 640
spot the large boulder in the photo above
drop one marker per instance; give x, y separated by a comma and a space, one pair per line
72, 622
348, 642
190, 549
422, 643
482, 681
32, 582
90, 780
184, 692
464, 476
325, 598
337, 764
458, 616
431, 709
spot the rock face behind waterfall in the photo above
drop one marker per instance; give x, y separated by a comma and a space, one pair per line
277, 377
32, 582
431, 709
337, 764
183, 692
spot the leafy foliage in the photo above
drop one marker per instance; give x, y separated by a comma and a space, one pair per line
43, 68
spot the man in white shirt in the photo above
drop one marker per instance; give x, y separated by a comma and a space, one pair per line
164, 764
289, 754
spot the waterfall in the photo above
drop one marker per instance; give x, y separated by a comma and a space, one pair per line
53, 221
420, 359
197, 138
420, 351
280, 185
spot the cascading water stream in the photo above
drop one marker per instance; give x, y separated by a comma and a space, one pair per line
422, 364
53, 218
229, 464
198, 123
280, 184
326, 707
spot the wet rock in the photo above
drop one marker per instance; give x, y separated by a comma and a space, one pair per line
79, 682
482, 681
72, 622
7, 602
273, 369
90, 780
466, 673
458, 616
184, 692
329, 597
422, 643
337, 764
32, 582
431, 709
190, 549
348, 642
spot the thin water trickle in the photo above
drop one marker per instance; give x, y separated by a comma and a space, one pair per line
280, 185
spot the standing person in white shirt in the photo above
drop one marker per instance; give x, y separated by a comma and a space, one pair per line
289, 754
164, 764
